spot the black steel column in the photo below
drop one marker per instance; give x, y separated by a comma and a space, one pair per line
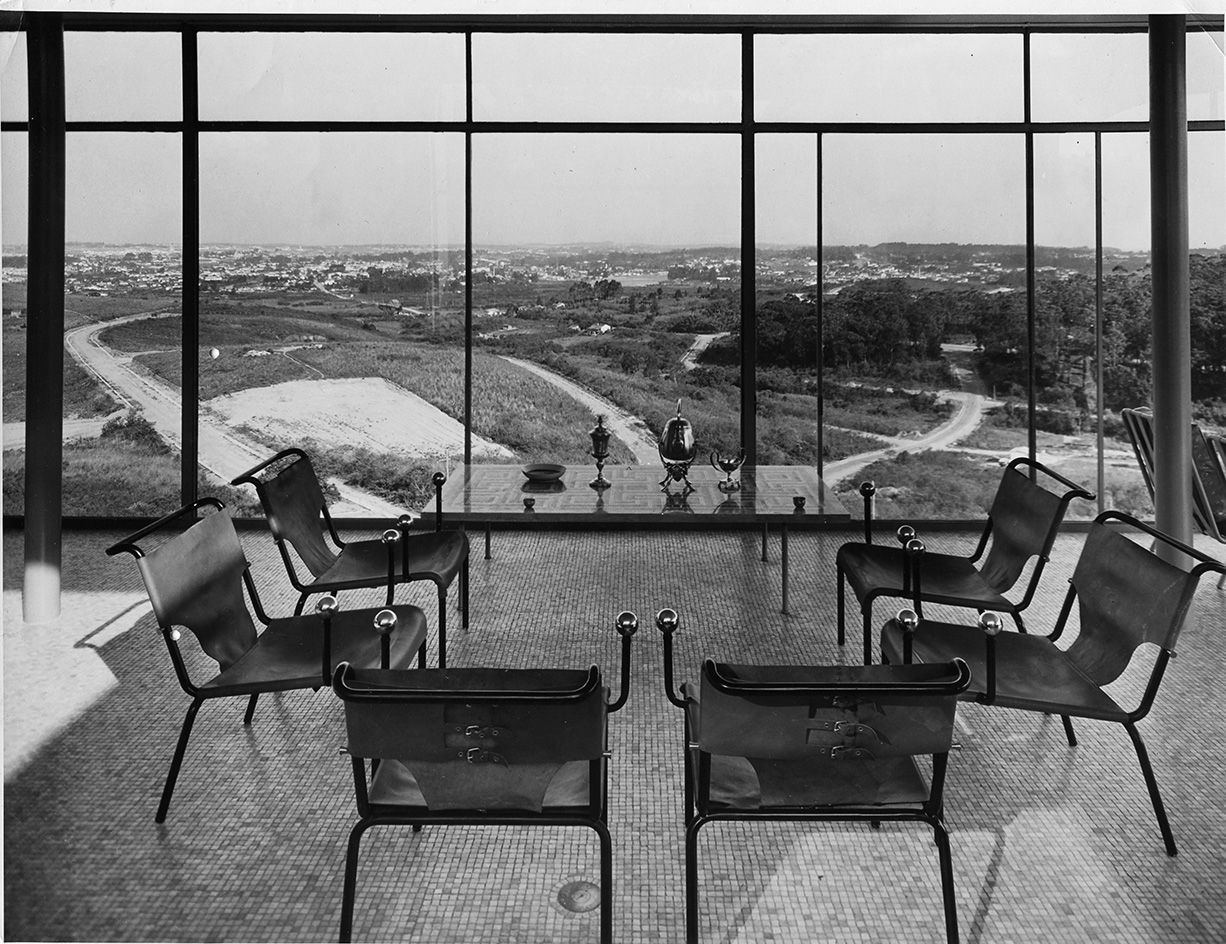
1098, 321
1172, 338
189, 389
749, 312
1031, 391
468, 251
821, 320
40, 598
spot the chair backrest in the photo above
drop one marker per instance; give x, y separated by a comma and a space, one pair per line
1126, 595
476, 738
1140, 427
195, 580
798, 725
293, 503
1209, 493
1024, 520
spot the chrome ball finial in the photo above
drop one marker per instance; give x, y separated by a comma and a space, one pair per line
667, 621
627, 623
385, 622
915, 546
868, 489
405, 521
391, 536
908, 620
905, 534
327, 606
991, 623
438, 479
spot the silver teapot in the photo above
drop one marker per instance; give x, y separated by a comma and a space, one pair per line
677, 450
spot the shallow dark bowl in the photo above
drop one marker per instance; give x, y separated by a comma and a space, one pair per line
544, 471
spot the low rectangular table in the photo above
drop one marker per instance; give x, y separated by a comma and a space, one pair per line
483, 494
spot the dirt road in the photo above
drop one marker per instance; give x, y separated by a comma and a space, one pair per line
689, 360
223, 452
625, 426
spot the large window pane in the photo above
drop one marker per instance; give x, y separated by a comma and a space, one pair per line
603, 77
314, 76
331, 308
1207, 288
854, 77
123, 76
1205, 80
924, 312
602, 261
14, 101
14, 186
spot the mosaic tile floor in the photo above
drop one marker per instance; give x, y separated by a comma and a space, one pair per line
1050, 843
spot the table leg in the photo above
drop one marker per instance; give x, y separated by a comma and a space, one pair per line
783, 559
487, 540
765, 528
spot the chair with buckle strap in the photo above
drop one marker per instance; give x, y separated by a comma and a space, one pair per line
1126, 597
814, 743
297, 516
1022, 525
195, 580
481, 746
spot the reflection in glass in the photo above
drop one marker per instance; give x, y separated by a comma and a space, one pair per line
884, 77
313, 76
606, 77
332, 309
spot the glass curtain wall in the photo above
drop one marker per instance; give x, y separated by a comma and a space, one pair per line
14, 185
606, 193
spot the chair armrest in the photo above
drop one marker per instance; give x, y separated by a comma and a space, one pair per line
128, 545
627, 625
991, 624
439, 480
867, 491
667, 622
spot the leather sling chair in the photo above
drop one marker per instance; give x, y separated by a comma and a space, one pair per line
1125, 596
294, 505
1208, 472
481, 746
195, 580
1022, 524
814, 743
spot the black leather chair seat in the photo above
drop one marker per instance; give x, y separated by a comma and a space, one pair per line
876, 570
433, 555
1032, 673
290, 651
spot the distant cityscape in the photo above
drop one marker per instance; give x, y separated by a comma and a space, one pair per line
344, 271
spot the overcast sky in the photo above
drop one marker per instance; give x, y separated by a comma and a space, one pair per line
639, 188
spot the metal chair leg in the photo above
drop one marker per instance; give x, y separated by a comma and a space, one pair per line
421, 655
691, 881
1159, 809
606, 883
351, 881
177, 761
1068, 730
301, 603
947, 883
442, 627
464, 592
842, 588
867, 610
251, 708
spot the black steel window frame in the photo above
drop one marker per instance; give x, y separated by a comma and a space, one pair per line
190, 126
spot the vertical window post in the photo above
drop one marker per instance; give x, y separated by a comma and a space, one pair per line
749, 315
40, 598
189, 455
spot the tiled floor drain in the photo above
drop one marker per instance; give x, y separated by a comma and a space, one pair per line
579, 896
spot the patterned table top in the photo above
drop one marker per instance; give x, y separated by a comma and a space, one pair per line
496, 493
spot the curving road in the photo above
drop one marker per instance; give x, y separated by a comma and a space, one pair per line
222, 451
625, 426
